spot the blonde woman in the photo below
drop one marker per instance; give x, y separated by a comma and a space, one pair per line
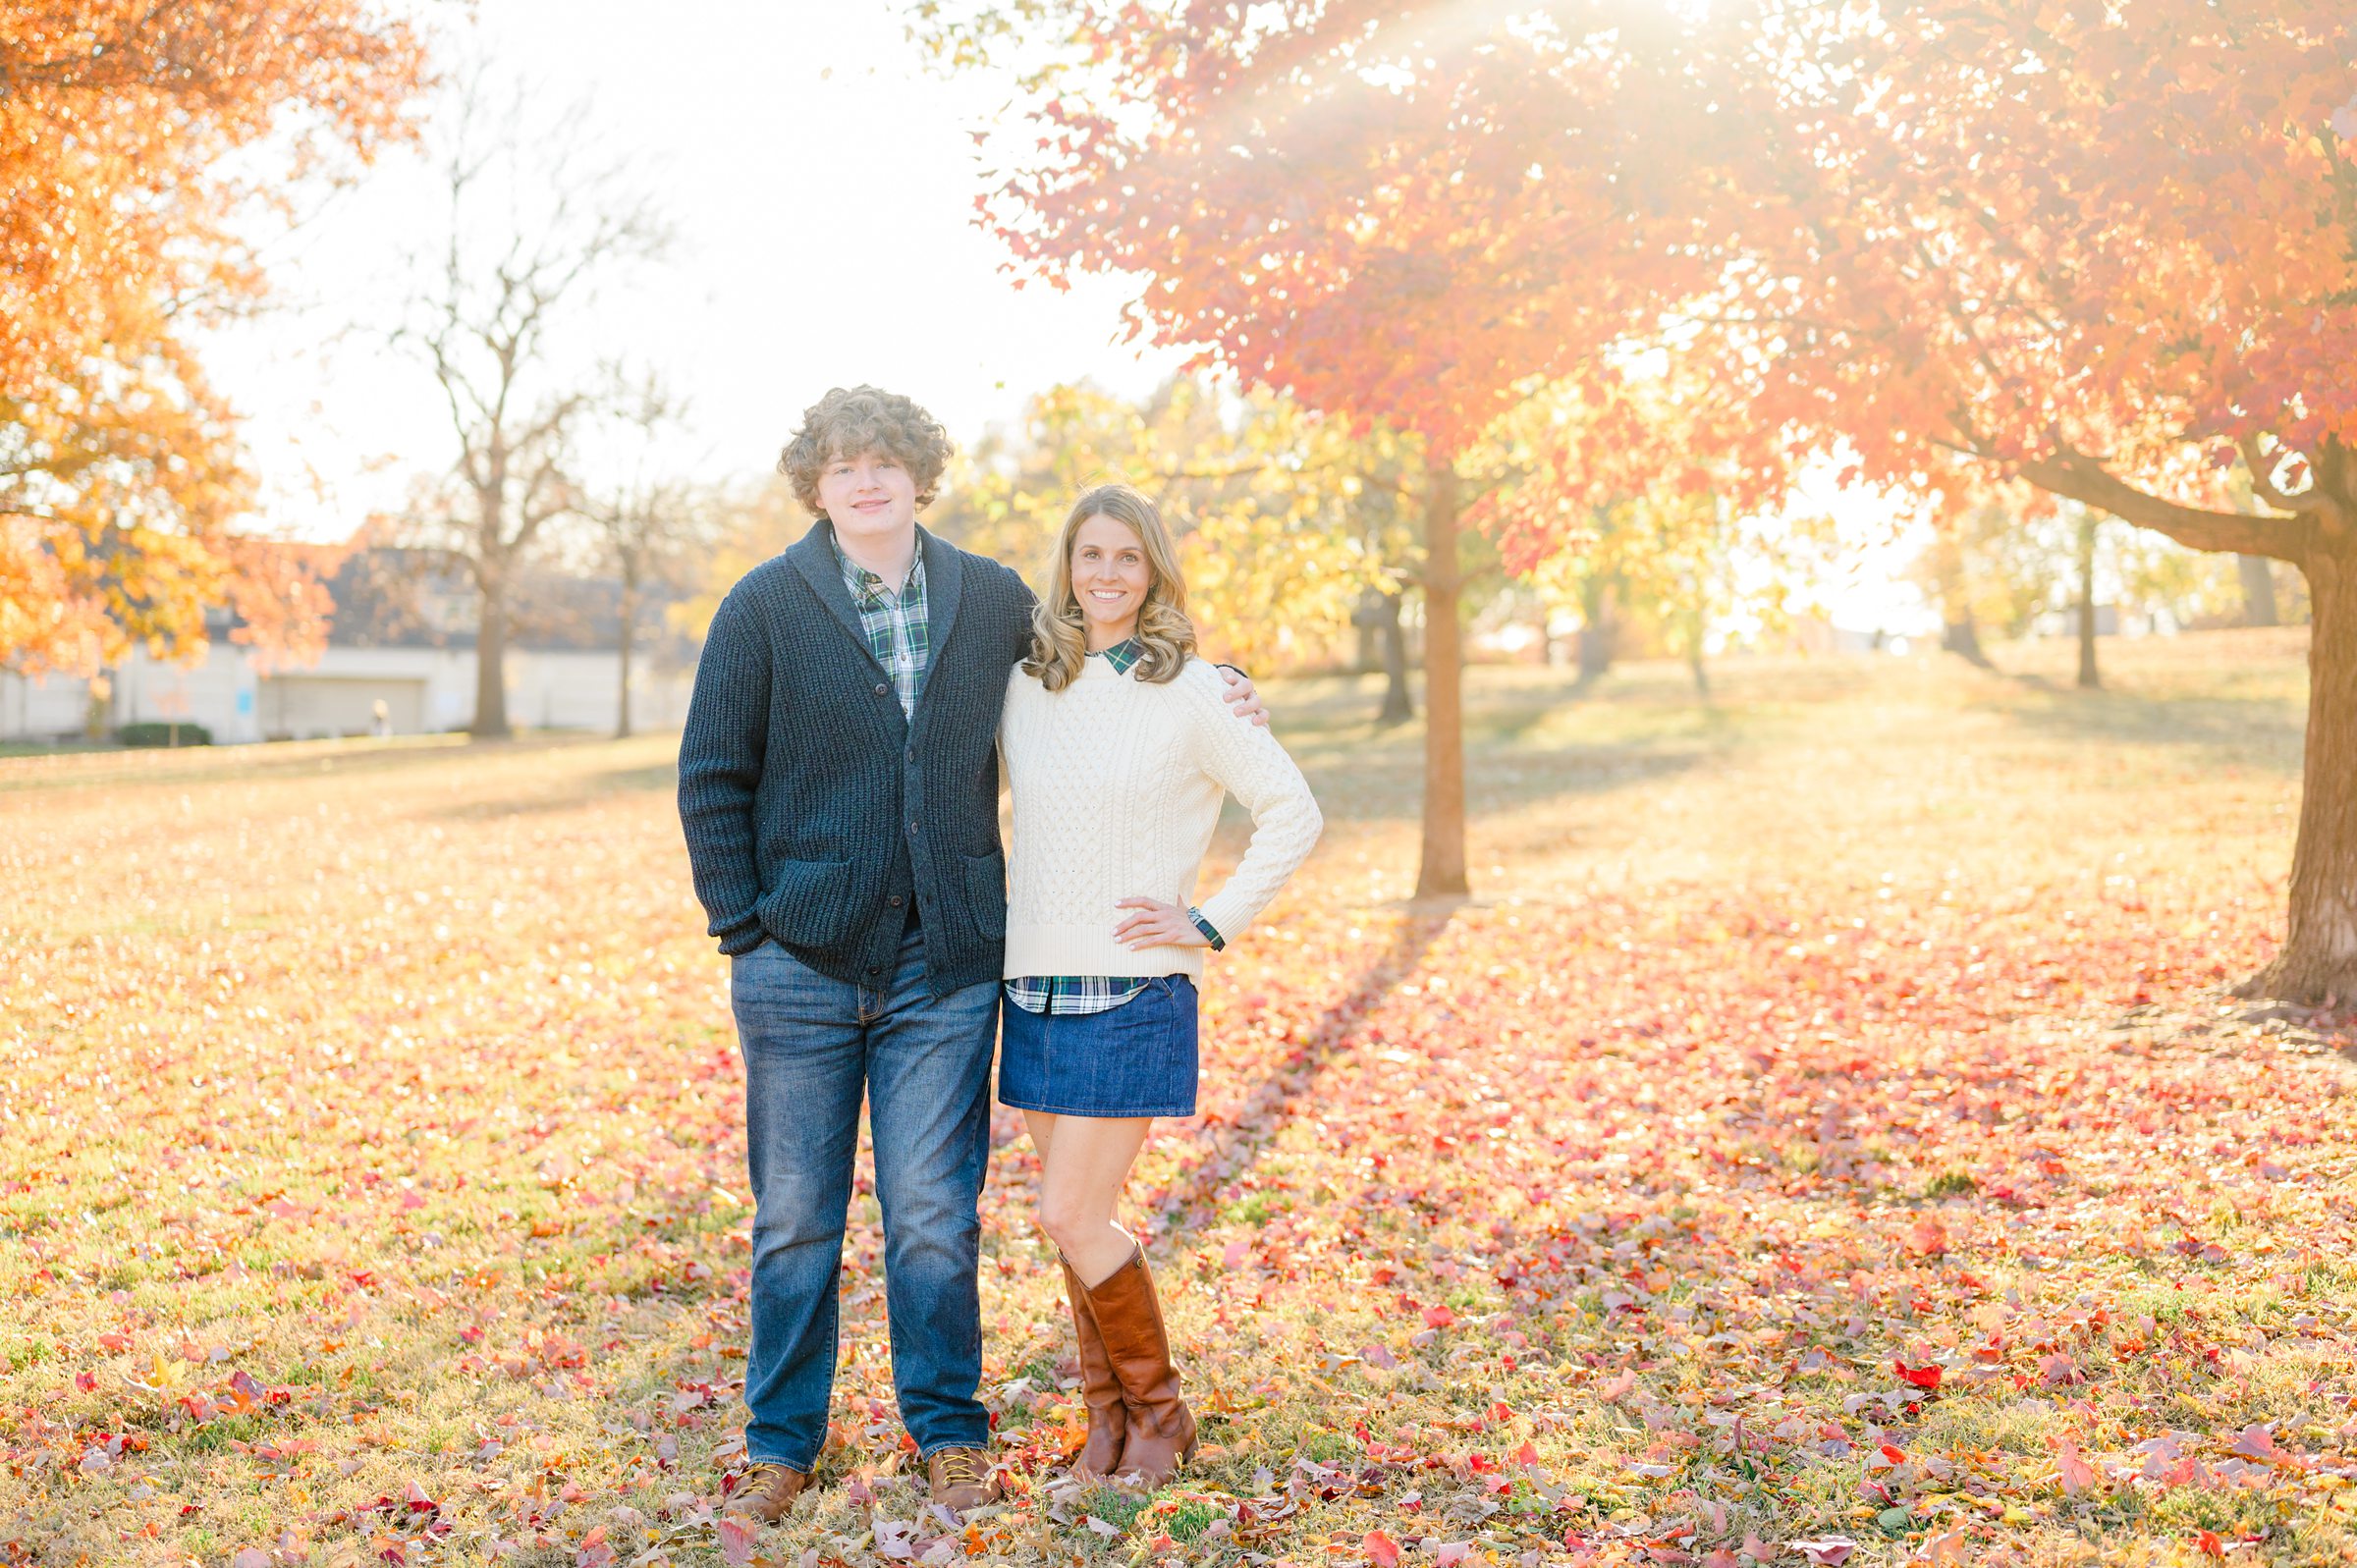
1118, 750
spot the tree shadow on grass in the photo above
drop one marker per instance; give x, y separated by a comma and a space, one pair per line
1363, 787
2253, 733
567, 795
1235, 1148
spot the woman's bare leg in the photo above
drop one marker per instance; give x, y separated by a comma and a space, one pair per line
1084, 1162
1041, 1124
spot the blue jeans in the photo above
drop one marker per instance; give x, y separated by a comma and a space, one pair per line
811, 1047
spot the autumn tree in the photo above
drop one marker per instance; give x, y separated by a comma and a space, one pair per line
1277, 511
1339, 199
139, 141
535, 224
2104, 249
2109, 250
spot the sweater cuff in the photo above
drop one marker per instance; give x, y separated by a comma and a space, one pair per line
741, 939
1228, 916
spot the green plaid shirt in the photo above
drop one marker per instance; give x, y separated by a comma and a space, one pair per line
1069, 996
895, 624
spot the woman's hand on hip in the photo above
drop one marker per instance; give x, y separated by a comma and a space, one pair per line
1151, 922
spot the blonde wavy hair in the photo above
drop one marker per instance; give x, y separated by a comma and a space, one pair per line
1060, 633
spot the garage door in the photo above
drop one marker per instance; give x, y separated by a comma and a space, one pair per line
305, 707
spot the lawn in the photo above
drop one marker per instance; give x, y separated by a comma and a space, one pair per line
1824, 1137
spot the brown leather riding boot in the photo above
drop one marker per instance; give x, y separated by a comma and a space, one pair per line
1161, 1430
1100, 1390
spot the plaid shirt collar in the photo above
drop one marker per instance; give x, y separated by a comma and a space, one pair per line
1121, 655
894, 624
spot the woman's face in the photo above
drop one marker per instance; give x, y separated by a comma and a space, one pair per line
1110, 577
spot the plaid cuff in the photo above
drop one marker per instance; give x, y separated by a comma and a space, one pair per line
1211, 933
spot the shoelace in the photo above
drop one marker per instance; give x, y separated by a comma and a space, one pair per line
757, 1475
963, 1467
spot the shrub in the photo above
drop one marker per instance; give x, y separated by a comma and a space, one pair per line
151, 733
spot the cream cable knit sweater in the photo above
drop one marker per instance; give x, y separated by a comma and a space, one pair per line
1117, 789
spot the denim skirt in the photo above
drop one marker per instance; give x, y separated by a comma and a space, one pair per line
1136, 1059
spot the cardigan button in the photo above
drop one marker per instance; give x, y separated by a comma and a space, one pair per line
894, 900
881, 688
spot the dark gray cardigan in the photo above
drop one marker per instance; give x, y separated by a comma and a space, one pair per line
813, 809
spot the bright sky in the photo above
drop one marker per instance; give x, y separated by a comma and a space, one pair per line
822, 183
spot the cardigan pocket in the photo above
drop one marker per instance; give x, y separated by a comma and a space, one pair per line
807, 902
986, 894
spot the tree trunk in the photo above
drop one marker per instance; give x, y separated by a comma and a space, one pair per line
1959, 629
1441, 873
1962, 637
491, 662
630, 628
1702, 676
2090, 678
1398, 702
2319, 960
98, 708
1596, 631
2258, 590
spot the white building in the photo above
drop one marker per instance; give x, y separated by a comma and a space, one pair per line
403, 640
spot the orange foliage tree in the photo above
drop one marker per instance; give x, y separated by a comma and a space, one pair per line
1338, 199
121, 481
2108, 248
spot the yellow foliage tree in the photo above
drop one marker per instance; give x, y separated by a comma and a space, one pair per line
122, 488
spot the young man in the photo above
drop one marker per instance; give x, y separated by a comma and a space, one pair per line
839, 788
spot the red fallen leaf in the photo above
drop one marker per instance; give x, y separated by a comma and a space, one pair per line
1831, 1551
1235, 1256
1378, 1356
2210, 1545
735, 1542
1928, 1238
85, 1382
114, 1341
419, 1502
1438, 1316
593, 1551
1918, 1377
2257, 1442
1381, 1549
2074, 1472
1896, 1456
1526, 1455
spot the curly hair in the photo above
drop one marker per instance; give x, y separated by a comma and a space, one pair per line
851, 422
1059, 632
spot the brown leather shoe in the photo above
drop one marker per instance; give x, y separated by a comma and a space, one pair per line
765, 1491
1160, 1435
963, 1478
1100, 1390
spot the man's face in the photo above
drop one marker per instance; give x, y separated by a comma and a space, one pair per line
869, 496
